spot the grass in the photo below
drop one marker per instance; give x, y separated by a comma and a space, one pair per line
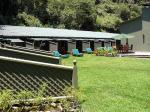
114, 84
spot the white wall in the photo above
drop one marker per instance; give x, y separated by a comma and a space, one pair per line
71, 45
86, 44
53, 46
97, 44
107, 44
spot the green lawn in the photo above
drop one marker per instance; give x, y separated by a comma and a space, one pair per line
114, 84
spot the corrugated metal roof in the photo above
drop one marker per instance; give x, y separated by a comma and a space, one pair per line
6, 30
84, 39
15, 40
62, 39
39, 39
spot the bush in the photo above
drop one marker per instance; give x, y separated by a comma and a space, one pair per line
6, 98
25, 101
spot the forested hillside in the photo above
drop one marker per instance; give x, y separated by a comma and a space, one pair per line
95, 15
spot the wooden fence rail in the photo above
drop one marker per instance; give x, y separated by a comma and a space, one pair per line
18, 74
29, 56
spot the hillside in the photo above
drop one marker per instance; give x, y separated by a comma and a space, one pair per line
99, 15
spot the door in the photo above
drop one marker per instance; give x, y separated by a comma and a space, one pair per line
92, 45
118, 43
79, 45
103, 44
63, 47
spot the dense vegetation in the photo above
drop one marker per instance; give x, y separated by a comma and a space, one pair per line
71, 14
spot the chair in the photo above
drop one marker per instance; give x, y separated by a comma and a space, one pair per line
75, 52
57, 54
110, 49
89, 50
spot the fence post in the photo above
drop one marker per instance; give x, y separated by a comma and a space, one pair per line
60, 61
75, 75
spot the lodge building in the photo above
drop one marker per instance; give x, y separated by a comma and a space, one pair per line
55, 39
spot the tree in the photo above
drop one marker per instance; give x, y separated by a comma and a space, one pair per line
8, 11
28, 20
86, 16
54, 8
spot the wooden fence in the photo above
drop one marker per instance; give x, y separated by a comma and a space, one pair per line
29, 56
37, 51
18, 74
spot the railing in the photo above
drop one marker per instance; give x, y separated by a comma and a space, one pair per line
47, 53
29, 56
18, 74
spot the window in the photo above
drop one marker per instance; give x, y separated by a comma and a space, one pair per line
143, 38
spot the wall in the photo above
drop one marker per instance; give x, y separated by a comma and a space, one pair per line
71, 45
107, 44
146, 27
53, 46
86, 44
133, 27
97, 44
140, 28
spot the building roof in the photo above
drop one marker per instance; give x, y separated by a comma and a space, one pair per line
15, 40
39, 39
22, 31
62, 39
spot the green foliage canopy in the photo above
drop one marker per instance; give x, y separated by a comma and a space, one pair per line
70, 14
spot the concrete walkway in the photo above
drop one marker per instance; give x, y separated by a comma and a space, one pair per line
136, 54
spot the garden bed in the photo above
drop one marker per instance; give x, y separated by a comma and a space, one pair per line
29, 101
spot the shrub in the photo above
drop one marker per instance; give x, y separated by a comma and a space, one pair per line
6, 98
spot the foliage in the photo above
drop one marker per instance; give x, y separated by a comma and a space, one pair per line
28, 20
54, 9
108, 21
110, 15
75, 93
135, 11
85, 14
76, 97
70, 14
26, 100
124, 12
6, 97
